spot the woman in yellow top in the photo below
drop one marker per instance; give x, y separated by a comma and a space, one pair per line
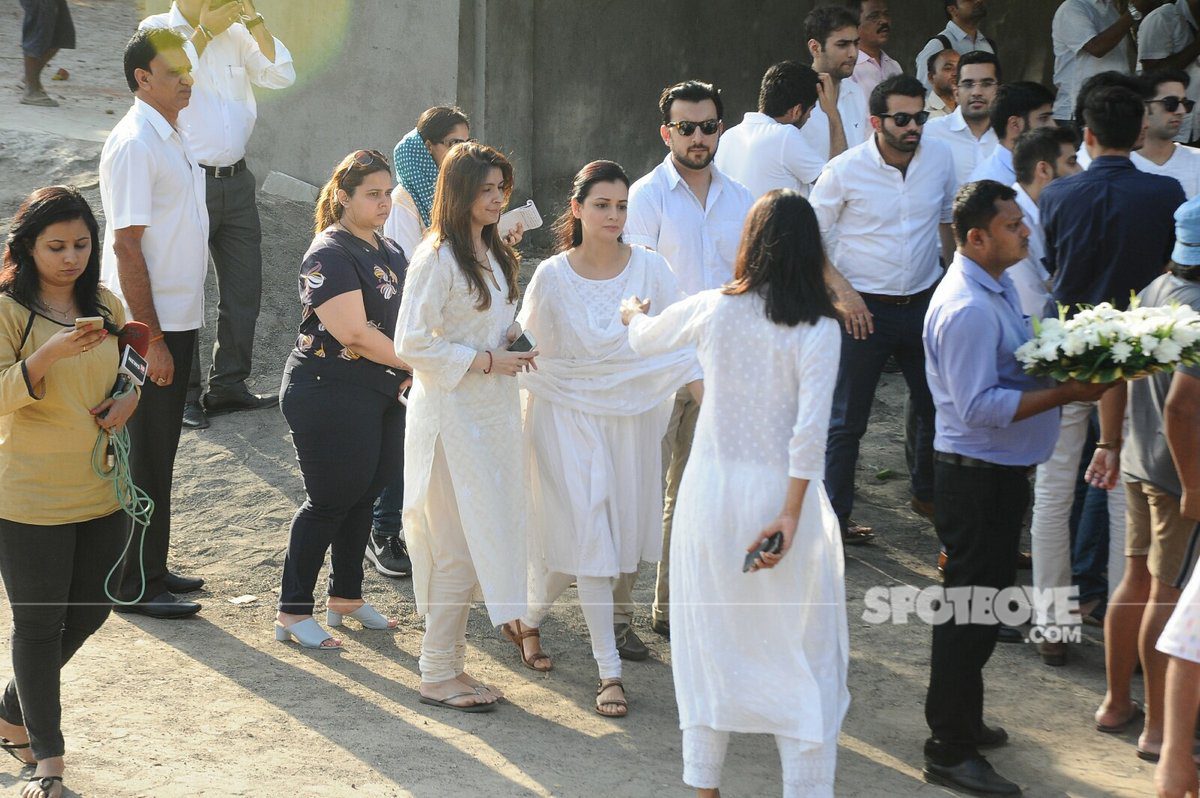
60, 526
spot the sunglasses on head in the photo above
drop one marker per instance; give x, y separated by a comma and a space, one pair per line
453, 142
902, 119
365, 158
707, 127
1171, 104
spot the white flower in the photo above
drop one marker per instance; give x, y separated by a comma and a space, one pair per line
1121, 351
1168, 351
1047, 350
1027, 353
1074, 344
1149, 343
1185, 333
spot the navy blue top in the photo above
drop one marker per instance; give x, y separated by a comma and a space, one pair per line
338, 262
1109, 231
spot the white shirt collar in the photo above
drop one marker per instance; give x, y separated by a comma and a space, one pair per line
674, 179
1026, 204
757, 118
883, 57
159, 122
957, 33
177, 20
956, 120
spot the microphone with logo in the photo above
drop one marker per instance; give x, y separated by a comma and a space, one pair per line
132, 343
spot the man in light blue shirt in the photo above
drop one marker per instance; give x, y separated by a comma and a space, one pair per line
1018, 107
993, 423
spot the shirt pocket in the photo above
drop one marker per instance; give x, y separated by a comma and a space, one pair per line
237, 82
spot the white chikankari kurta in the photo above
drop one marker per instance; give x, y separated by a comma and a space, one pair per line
595, 418
477, 418
767, 651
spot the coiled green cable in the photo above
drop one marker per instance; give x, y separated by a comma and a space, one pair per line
132, 499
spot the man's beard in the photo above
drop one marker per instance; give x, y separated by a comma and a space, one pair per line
696, 162
899, 143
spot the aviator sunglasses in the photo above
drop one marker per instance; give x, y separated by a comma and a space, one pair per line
708, 127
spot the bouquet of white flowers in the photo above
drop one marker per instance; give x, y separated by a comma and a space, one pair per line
1103, 344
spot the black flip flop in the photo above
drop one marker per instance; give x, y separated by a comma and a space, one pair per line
1120, 728
45, 783
12, 749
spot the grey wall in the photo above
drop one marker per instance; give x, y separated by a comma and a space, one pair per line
365, 71
569, 81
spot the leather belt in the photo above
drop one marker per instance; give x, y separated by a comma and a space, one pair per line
224, 171
975, 462
891, 299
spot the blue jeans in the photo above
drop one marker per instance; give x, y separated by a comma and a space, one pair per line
385, 518
898, 333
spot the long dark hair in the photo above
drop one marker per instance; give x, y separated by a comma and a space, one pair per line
781, 259
19, 275
462, 175
437, 122
568, 230
348, 176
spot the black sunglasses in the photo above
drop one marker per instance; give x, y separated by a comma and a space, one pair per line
1171, 104
707, 127
365, 158
902, 119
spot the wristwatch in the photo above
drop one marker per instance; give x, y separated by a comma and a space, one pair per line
251, 22
1133, 12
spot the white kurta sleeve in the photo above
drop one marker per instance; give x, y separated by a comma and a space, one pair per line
676, 327
421, 341
818, 372
644, 220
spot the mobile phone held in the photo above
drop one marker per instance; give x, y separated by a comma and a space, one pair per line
89, 323
770, 545
523, 344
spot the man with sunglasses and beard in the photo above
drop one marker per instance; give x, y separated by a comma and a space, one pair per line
874, 29
1167, 39
884, 209
1166, 113
691, 213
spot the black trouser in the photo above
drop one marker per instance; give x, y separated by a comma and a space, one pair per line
348, 441
54, 577
235, 241
153, 439
978, 516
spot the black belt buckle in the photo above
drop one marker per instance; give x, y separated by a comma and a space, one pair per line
220, 172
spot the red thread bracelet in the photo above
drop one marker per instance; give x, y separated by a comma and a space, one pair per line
488, 370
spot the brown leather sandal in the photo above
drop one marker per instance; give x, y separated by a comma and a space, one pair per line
603, 685
531, 662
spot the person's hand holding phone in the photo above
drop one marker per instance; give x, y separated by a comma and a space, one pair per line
510, 364
785, 525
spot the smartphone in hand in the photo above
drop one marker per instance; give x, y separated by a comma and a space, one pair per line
525, 343
89, 323
770, 545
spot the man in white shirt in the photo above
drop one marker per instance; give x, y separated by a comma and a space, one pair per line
961, 34
840, 119
766, 151
1040, 156
1020, 106
968, 131
884, 208
1166, 112
1167, 40
154, 258
235, 52
691, 213
874, 29
1090, 36
942, 69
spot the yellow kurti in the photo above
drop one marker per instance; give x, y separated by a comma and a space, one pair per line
47, 435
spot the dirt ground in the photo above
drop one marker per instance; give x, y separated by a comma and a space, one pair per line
213, 706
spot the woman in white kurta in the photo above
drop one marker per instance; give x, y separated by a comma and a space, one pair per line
464, 477
764, 651
595, 416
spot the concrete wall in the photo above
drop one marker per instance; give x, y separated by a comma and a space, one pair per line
365, 69
569, 81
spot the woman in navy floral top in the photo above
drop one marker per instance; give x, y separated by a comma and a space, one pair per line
341, 397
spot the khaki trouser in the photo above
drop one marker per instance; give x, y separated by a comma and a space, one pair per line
677, 445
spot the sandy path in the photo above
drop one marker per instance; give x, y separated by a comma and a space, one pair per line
214, 707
